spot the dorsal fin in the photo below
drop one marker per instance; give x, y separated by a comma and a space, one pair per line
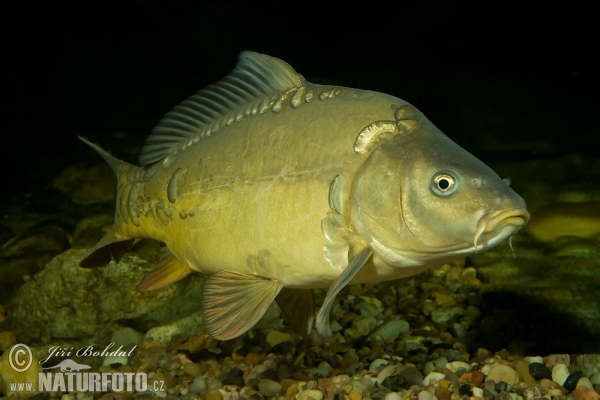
255, 78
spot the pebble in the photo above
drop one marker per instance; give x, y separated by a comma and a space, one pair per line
412, 376
390, 329
522, 368
560, 373
475, 377
555, 359
571, 382
540, 371
585, 381
454, 366
443, 393
354, 395
532, 393
584, 393
442, 314
504, 373
437, 376
393, 396
274, 337
125, 336
198, 385
477, 392
269, 388
425, 395
213, 394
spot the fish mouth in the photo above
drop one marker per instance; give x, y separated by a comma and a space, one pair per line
500, 224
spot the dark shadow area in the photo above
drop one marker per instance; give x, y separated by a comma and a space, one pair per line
512, 317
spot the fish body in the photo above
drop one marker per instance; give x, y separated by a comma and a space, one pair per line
273, 186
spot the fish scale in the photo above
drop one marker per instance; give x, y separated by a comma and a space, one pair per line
273, 186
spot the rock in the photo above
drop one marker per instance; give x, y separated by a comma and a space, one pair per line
269, 388
236, 377
213, 394
327, 387
532, 393
522, 368
198, 385
502, 373
433, 376
395, 383
56, 303
540, 371
390, 329
313, 394
274, 337
425, 395
126, 336
560, 373
572, 379
565, 219
548, 386
585, 381
454, 366
361, 326
475, 377
443, 314
354, 395
584, 393
412, 376
555, 359
393, 396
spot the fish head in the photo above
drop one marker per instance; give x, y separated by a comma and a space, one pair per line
419, 198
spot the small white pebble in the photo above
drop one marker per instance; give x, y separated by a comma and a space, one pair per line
392, 396
515, 396
437, 376
534, 359
477, 392
378, 364
585, 381
387, 371
199, 385
560, 373
454, 366
425, 395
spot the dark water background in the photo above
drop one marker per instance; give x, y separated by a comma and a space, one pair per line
504, 80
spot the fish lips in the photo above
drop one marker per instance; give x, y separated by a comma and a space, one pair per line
494, 224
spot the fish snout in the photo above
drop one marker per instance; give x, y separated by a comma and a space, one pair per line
493, 221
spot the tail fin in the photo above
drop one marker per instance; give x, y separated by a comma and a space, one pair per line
113, 245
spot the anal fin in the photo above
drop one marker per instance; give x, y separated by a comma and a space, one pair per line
168, 270
234, 302
109, 248
298, 307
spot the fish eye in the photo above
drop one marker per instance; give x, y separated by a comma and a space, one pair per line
444, 182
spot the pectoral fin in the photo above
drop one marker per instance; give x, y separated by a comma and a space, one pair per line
234, 302
168, 270
298, 307
354, 264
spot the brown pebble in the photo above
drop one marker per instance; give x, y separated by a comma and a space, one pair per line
545, 385
442, 393
475, 377
327, 387
584, 393
554, 359
252, 359
213, 394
